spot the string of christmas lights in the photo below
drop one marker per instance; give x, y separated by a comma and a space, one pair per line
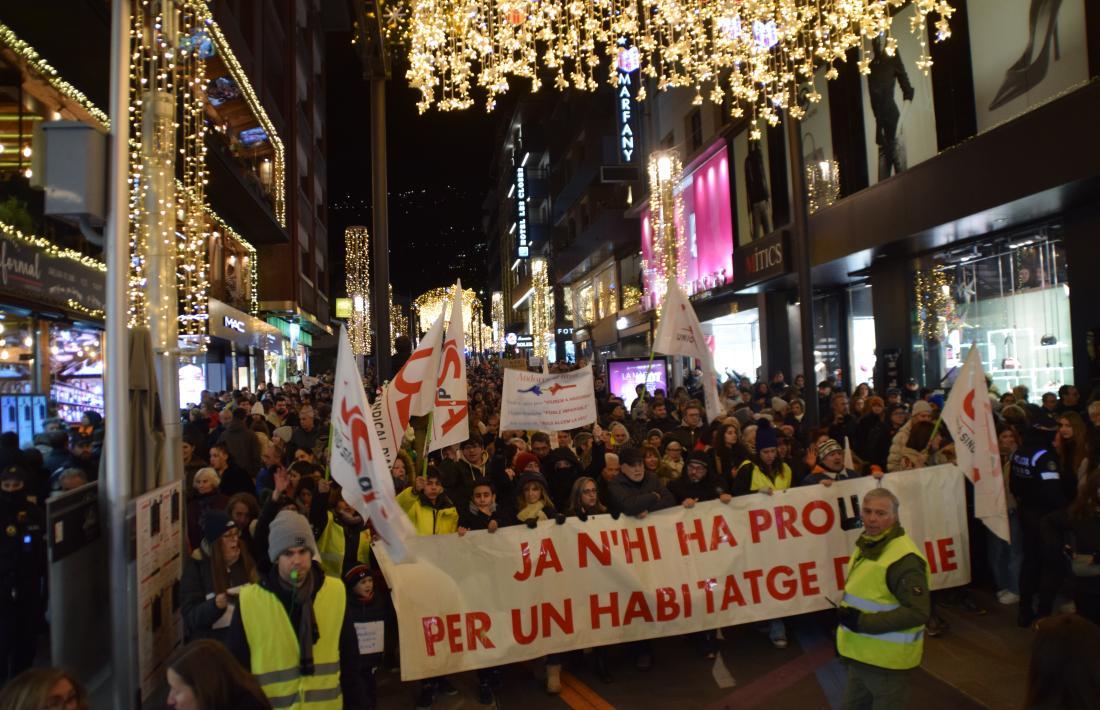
666, 216
399, 322
357, 281
542, 309
934, 305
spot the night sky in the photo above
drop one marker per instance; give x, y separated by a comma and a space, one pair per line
439, 173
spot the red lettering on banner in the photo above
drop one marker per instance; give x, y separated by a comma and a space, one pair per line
408, 389
785, 515
639, 544
548, 559
753, 576
654, 546
696, 535
940, 555
759, 521
433, 633
708, 586
611, 610
517, 626
454, 632
840, 566
807, 574
720, 533
587, 546
478, 624
667, 608
543, 617
732, 593
637, 607
456, 409
807, 520
781, 590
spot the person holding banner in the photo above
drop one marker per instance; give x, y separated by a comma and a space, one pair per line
885, 606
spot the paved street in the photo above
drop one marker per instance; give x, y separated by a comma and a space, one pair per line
979, 663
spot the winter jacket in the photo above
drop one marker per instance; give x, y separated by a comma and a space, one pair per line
819, 474
197, 605
893, 460
244, 447
709, 487
437, 517
562, 468
196, 507
459, 476
634, 497
474, 519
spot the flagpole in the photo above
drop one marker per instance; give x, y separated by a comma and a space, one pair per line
427, 442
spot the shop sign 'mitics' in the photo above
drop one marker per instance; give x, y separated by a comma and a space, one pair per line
523, 250
628, 63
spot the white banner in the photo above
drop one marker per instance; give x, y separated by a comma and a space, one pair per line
679, 333
356, 462
410, 394
968, 415
486, 599
538, 402
451, 416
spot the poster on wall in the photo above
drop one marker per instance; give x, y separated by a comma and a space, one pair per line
822, 171
159, 547
898, 116
1023, 53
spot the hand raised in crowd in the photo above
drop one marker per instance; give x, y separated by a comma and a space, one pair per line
282, 480
418, 483
510, 473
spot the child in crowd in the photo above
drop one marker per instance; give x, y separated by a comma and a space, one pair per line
367, 611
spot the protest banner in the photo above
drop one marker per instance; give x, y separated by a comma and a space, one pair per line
451, 416
679, 333
540, 402
488, 599
356, 460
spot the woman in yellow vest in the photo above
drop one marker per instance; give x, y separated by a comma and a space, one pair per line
763, 472
884, 609
292, 629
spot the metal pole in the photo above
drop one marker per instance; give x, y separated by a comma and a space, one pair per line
801, 227
117, 367
380, 196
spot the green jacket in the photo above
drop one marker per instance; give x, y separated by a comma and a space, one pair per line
906, 581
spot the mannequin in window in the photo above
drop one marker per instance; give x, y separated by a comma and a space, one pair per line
885, 70
756, 187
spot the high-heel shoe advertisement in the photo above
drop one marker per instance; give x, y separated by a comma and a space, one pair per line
1024, 53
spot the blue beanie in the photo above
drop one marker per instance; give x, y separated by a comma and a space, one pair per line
766, 437
937, 399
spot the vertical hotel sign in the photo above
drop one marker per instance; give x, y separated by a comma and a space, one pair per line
523, 248
627, 65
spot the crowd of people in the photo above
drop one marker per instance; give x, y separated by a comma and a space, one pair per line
272, 539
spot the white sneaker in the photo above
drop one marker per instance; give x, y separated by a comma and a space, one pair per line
1007, 598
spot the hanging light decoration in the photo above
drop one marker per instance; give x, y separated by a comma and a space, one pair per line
357, 281
430, 304
935, 305
756, 53
542, 308
822, 184
666, 213
497, 324
399, 322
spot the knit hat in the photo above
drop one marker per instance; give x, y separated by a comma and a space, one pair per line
699, 457
357, 574
17, 473
938, 400
530, 477
258, 408
522, 459
284, 432
827, 447
290, 529
766, 437
779, 405
921, 407
215, 523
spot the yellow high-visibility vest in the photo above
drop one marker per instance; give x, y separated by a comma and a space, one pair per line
760, 479
331, 547
866, 590
273, 647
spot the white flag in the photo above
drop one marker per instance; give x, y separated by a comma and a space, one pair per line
451, 416
968, 415
410, 394
356, 462
679, 333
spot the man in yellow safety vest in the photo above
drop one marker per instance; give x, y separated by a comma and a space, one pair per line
292, 629
885, 606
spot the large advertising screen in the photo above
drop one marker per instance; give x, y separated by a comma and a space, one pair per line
706, 250
625, 374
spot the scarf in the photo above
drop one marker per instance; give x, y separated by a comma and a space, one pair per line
302, 596
475, 510
533, 510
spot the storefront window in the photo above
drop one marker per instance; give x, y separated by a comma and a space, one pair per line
861, 335
607, 297
76, 377
827, 325
1011, 299
736, 343
16, 354
584, 308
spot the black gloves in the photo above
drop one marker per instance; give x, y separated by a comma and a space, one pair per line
848, 617
532, 523
560, 519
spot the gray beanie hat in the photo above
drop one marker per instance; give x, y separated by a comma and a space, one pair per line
290, 529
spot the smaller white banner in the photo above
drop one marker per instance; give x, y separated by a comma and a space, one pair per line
538, 402
371, 636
